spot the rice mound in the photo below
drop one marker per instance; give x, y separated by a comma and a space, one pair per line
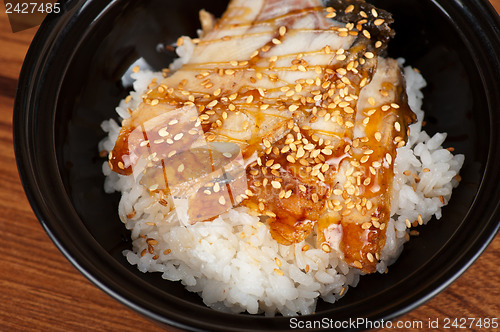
235, 265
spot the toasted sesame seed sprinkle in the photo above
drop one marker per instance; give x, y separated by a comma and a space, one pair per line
277, 261
282, 30
370, 257
358, 264
279, 272
366, 225
151, 241
276, 184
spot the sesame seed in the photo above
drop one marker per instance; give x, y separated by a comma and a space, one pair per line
388, 157
277, 261
282, 30
162, 132
326, 248
222, 200
212, 103
366, 225
276, 184
300, 151
349, 9
309, 147
279, 272
369, 55
358, 264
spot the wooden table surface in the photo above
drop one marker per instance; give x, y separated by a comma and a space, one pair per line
44, 292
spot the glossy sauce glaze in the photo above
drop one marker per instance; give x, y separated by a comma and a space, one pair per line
302, 147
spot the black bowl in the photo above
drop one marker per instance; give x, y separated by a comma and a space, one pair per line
72, 80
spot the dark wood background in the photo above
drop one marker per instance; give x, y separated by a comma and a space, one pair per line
42, 291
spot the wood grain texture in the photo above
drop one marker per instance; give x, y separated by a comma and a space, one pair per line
44, 292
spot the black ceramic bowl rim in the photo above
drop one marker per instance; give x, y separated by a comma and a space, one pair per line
44, 188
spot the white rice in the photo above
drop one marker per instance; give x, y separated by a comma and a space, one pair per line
232, 262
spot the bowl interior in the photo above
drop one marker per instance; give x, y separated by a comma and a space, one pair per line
102, 43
